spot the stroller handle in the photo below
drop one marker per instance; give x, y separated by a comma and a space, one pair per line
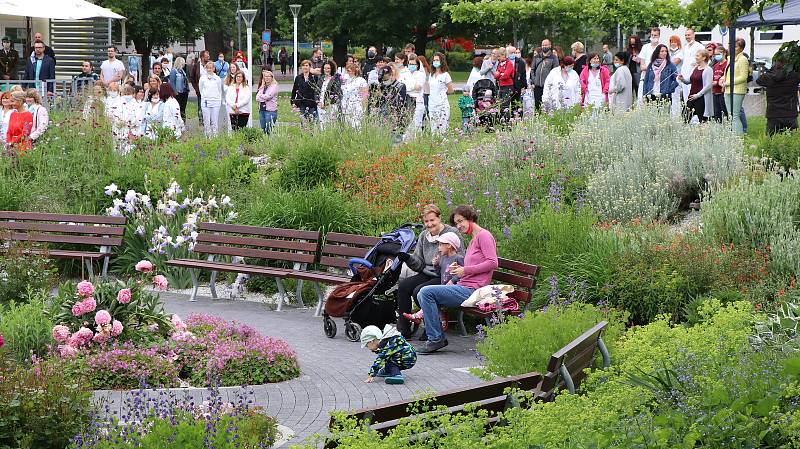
412, 225
357, 261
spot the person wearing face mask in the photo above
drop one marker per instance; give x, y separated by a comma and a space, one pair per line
719, 67
391, 102
620, 93
504, 76
676, 56
372, 60
520, 80
152, 115
646, 56
689, 59
113, 102
211, 91
414, 85
541, 67
9, 60
441, 85
562, 87
221, 67
595, 82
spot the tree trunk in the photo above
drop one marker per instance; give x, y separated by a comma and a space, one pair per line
214, 44
340, 42
421, 39
143, 48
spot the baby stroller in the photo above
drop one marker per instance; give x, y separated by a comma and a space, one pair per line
366, 300
484, 93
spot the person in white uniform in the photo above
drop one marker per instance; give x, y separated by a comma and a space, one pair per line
441, 84
645, 56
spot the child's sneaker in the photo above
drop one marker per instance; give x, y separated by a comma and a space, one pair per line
396, 380
412, 317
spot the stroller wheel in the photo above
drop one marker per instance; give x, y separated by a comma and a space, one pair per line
352, 331
330, 326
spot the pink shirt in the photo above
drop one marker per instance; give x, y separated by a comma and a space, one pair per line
480, 261
269, 96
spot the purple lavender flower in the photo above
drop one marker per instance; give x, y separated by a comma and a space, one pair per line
552, 295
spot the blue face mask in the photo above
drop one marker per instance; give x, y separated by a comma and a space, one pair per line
617, 65
718, 58
436, 64
412, 68
594, 66
512, 57
570, 70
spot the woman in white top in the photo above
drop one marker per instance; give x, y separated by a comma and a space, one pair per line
7, 110
238, 97
441, 84
152, 116
562, 87
355, 92
620, 93
115, 111
415, 82
95, 103
40, 118
172, 109
330, 95
211, 94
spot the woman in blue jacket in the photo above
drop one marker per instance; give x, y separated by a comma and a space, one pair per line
660, 80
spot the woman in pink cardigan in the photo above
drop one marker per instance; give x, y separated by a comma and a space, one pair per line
41, 120
595, 82
480, 262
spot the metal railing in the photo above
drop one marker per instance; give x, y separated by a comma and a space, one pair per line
66, 93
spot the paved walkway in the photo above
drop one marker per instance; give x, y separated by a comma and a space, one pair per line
332, 370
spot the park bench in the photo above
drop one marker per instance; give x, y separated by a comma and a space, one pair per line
522, 276
565, 370
492, 396
268, 247
65, 236
567, 366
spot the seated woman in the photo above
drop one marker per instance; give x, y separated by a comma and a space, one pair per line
479, 265
421, 261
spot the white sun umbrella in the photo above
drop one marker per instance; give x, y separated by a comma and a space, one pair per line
55, 9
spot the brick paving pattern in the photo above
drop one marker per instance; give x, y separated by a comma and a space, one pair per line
332, 370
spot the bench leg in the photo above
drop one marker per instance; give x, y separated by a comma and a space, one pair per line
320, 299
461, 326
105, 267
195, 285
89, 268
213, 285
281, 293
299, 290
567, 378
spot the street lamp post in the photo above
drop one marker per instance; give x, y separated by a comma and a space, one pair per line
249, 15
295, 11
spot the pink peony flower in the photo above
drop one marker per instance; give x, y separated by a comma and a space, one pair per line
85, 289
160, 282
67, 350
81, 337
178, 323
77, 309
116, 328
144, 266
2, 341
124, 296
61, 333
100, 337
102, 317
89, 304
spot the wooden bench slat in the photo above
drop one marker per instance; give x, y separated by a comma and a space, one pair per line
458, 396
62, 228
66, 254
256, 230
514, 279
522, 267
39, 216
353, 239
337, 262
349, 251
254, 253
63, 238
264, 243
492, 405
229, 267
590, 334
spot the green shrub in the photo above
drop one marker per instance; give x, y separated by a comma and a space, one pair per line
309, 166
524, 345
40, 408
759, 213
14, 191
321, 208
783, 147
26, 329
23, 275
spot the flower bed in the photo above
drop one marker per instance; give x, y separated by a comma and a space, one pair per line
203, 350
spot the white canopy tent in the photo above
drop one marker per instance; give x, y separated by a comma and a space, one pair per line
56, 9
